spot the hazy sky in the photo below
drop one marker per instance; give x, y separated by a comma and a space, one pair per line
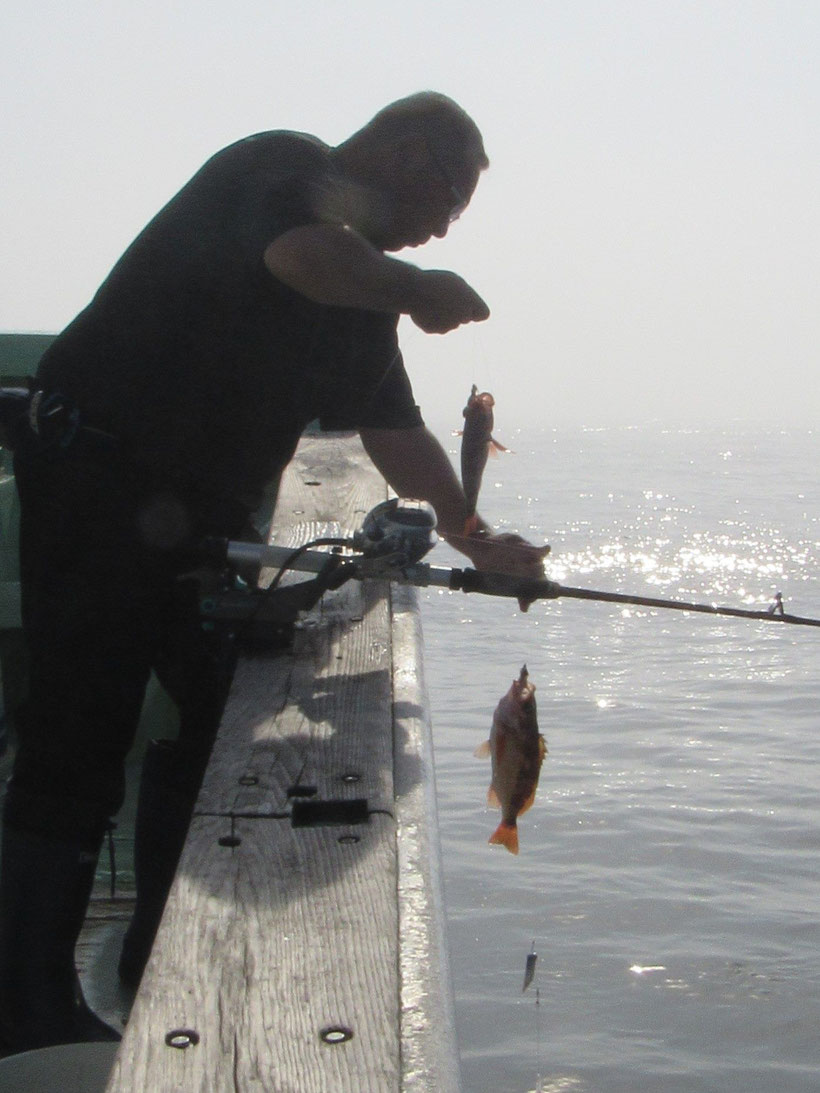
646, 237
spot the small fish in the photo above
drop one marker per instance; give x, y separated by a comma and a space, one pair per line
517, 750
477, 443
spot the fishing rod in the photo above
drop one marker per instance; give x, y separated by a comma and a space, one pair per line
497, 584
394, 536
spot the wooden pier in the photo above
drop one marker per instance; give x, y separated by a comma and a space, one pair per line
302, 948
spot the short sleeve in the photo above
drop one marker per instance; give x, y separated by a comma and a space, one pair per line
370, 388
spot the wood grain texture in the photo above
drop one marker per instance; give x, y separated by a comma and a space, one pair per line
264, 945
275, 932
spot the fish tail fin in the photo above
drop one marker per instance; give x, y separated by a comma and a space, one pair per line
471, 525
506, 835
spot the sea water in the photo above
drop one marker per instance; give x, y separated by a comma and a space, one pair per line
669, 870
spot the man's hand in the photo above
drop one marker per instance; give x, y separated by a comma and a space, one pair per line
443, 301
505, 553
416, 465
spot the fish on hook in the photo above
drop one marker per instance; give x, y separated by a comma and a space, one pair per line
477, 443
517, 750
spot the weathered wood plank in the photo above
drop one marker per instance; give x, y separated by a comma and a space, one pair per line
275, 932
264, 945
293, 929
314, 716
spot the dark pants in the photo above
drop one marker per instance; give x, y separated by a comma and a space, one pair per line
104, 548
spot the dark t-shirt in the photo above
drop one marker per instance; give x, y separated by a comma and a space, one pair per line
202, 363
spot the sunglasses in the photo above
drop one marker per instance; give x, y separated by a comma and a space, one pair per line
460, 202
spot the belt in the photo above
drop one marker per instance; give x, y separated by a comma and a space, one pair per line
53, 420
36, 420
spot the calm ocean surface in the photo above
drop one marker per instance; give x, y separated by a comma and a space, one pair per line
669, 872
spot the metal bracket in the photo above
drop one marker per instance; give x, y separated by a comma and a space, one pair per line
333, 813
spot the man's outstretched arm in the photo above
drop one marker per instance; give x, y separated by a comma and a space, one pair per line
334, 265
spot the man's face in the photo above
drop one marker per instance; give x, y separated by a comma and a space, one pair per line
427, 196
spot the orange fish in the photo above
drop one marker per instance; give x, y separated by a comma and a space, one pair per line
477, 443
517, 750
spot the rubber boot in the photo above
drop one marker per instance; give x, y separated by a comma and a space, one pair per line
45, 886
168, 788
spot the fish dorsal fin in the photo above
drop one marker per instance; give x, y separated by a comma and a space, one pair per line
483, 750
493, 800
542, 748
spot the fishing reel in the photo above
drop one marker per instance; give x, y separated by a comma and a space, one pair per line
401, 530
393, 537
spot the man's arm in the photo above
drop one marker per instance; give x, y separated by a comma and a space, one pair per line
416, 465
334, 265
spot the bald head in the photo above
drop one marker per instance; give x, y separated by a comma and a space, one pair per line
436, 118
411, 170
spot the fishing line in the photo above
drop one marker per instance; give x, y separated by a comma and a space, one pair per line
538, 1036
480, 347
529, 978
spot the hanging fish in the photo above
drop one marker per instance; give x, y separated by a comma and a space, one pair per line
529, 968
517, 750
477, 443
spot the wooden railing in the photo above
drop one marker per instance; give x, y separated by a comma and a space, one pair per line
302, 948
